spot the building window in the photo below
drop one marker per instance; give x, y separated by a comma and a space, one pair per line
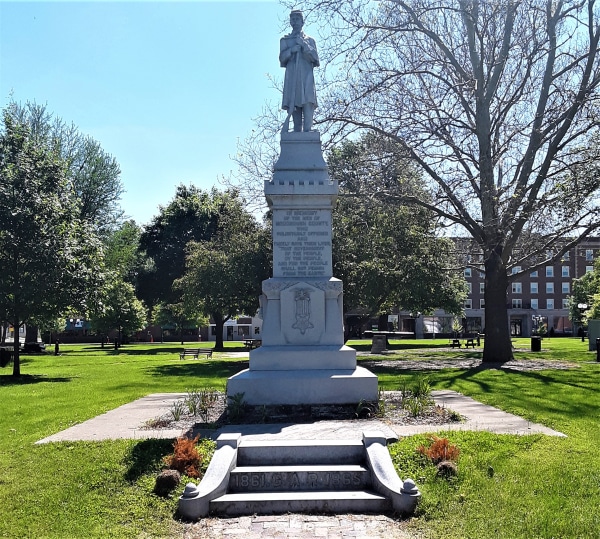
482, 304
517, 303
470, 287
549, 304
482, 275
565, 271
589, 255
588, 269
549, 288
534, 273
565, 303
533, 288
517, 288
482, 288
516, 269
468, 304
567, 255
534, 303
549, 271
467, 272
566, 288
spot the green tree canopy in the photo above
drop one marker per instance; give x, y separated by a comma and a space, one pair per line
180, 316
586, 291
223, 275
94, 175
121, 253
387, 253
192, 215
118, 308
50, 259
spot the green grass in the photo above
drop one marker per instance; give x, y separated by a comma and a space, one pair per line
540, 486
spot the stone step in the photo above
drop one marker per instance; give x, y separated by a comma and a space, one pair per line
299, 478
299, 452
266, 503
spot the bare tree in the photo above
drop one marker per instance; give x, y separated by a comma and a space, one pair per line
497, 102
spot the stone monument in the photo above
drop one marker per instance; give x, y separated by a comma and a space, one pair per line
303, 359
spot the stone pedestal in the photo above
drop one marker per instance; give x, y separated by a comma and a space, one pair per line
303, 359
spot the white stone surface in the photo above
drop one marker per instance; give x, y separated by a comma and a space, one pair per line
302, 359
302, 243
277, 358
304, 386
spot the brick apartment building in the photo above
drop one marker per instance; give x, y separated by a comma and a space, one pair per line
533, 298
537, 297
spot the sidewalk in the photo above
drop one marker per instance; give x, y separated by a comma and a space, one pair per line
127, 421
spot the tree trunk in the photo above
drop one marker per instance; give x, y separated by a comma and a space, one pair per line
219, 324
16, 349
497, 347
31, 333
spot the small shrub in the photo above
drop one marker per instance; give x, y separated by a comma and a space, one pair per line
447, 469
166, 482
422, 388
157, 423
185, 458
414, 405
439, 449
455, 416
364, 409
200, 402
177, 410
236, 406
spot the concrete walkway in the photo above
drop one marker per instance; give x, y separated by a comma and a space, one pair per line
128, 421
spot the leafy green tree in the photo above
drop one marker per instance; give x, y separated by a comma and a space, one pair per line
586, 291
386, 253
119, 309
94, 175
178, 315
50, 259
594, 312
192, 215
121, 252
223, 276
495, 101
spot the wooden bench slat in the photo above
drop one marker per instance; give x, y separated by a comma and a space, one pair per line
195, 352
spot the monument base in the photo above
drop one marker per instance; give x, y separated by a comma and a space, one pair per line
304, 386
282, 358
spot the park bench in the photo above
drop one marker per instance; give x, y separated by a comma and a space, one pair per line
470, 342
195, 352
455, 343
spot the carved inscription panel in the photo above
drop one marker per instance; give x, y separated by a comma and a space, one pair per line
302, 243
296, 481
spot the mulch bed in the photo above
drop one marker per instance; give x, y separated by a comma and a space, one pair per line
391, 407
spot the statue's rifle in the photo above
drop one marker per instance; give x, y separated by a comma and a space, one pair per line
286, 125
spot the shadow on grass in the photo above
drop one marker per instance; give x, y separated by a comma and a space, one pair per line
150, 351
212, 369
364, 345
146, 457
24, 379
547, 395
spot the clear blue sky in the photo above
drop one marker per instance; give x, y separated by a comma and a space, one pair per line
167, 88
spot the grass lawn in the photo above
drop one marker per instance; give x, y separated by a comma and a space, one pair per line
507, 486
